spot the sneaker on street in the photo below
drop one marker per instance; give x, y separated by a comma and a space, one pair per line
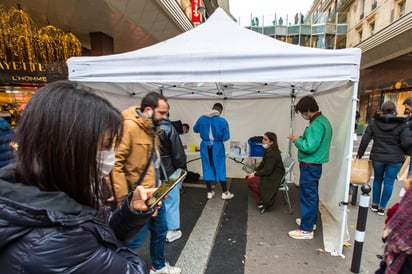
210, 194
300, 234
227, 195
381, 212
167, 269
173, 235
259, 204
374, 207
298, 223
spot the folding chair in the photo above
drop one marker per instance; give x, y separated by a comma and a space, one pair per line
288, 163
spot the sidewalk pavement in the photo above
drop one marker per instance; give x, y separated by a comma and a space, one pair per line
270, 250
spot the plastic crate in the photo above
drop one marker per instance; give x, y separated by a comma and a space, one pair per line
256, 149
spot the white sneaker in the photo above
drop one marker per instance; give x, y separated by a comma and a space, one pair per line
167, 269
227, 195
301, 235
173, 235
210, 194
298, 223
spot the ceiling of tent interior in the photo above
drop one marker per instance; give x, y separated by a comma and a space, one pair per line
216, 91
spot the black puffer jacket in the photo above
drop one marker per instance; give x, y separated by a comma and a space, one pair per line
172, 151
390, 136
48, 232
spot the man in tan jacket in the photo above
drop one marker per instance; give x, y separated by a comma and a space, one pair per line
138, 153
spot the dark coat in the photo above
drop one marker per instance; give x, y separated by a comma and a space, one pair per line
390, 136
409, 149
7, 152
49, 232
270, 171
172, 151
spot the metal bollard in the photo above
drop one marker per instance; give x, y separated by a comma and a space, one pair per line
360, 228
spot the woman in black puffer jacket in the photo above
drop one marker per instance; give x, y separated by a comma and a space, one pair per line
51, 207
390, 138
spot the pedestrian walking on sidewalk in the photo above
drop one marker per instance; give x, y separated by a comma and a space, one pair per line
173, 156
408, 108
265, 180
138, 163
397, 236
390, 137
213, 130
313, 151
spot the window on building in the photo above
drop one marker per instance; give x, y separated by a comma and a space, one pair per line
392, 15
402, 7
360, 36
374, 4
372, 27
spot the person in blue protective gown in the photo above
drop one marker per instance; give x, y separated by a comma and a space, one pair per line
213, 130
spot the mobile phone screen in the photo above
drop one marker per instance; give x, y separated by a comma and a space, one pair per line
178, 176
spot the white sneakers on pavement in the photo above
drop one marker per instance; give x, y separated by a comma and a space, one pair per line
301, 234
167, 269
227, 195
210, 194
173, 235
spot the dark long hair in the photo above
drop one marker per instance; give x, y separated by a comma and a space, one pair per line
58, 136
272, 136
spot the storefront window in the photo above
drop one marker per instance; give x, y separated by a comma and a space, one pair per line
13, 100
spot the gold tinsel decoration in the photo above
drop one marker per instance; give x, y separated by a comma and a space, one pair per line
22, 41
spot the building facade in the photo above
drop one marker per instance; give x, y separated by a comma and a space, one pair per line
382, 29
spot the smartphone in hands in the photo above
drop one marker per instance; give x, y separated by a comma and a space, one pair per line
178, 176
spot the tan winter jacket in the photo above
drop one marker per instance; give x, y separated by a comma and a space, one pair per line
133, 153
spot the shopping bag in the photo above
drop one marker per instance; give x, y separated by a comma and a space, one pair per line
361, 171
404, 171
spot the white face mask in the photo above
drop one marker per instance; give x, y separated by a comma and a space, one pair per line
265, 146
105, 160
305, 117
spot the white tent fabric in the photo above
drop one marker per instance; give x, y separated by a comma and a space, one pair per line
220, 61
220, 51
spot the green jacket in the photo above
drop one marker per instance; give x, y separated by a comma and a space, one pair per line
314, 146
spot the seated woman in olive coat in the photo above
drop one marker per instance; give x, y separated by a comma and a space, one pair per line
265, 180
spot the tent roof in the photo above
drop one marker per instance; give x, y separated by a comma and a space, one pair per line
220, 59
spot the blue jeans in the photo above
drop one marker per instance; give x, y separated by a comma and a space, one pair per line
158, 230
410, 167
309, 195
386, 173
172, 207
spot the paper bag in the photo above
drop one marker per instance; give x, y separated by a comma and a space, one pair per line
361, 171
404, 171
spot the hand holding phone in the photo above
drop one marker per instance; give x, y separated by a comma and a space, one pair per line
178, 176
140, 195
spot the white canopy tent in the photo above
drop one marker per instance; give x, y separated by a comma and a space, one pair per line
256, 78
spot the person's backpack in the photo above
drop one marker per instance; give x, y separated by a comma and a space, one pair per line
192, 177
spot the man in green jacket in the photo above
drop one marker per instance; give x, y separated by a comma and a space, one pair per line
313, 151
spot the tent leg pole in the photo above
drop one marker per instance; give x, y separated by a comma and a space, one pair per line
349, 161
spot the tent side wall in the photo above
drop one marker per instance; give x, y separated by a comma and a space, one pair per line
249, 118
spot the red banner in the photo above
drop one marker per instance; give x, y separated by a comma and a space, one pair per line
195, 11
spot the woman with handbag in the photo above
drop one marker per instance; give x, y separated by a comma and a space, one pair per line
390, 137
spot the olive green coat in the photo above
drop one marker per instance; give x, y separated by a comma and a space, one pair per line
270, 171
